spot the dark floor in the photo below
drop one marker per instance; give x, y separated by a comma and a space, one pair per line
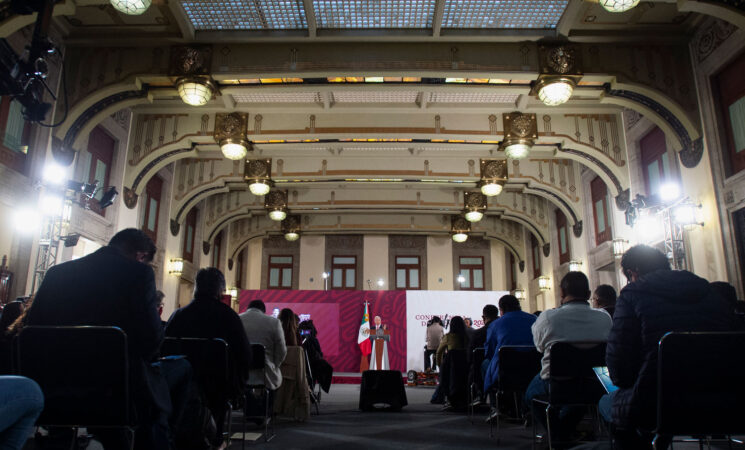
420, 425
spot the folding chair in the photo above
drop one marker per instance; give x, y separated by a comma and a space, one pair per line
518, 364
258, 383
477, 357
700, 391
315, 397
210, 360
572, 381
83, 372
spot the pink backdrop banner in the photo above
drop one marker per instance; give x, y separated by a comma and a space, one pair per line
337, 316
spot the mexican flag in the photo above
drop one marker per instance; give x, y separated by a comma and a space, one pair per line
362, 337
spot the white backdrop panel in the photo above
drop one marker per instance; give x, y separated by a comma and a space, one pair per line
422, 305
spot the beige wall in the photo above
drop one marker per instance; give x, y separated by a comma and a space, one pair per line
312, 250
375, 262
498, 269
253, 264
440, 271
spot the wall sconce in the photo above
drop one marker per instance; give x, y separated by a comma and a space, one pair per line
493, 176
575, 266
275, 202
459, 228
521, 131
475, 203
461, 279
257, 174
176, 266
519, 294
231, 134
233, 293
380, 282
619, 247
544, 283
291, 228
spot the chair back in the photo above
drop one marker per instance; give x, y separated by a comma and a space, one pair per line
477, 356
259, 357
210, 361
571, 378
83, 372
518, 364
700, 389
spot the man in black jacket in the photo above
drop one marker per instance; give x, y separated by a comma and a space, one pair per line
114, 286
657, 300
208, 317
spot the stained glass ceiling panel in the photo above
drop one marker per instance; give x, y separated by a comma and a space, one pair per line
363, 14
245, 15
512, 14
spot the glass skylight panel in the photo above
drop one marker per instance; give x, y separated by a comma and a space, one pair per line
277, 97
375, 97
245, 15
471, 97
510, 14
374, 13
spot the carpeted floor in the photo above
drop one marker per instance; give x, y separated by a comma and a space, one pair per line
420, 425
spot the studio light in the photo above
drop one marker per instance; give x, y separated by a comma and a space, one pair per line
195, 91
669, 192
51, 204
54, 174
555, 91
617, 6
26, 221
108, 197
649, 228
131, 7
685, 215
474, 216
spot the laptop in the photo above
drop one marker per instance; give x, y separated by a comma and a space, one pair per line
602, 373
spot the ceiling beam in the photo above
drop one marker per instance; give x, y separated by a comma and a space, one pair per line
437, 18
310, 17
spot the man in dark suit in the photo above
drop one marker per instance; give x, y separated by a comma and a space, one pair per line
208, 317
114, 286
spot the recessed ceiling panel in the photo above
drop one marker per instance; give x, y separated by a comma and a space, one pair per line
503, 13
471, 97
376, 97
245, 15
374, 13
277, 97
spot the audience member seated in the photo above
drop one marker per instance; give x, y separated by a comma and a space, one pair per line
293, 399
512, 328
161, 297
657, 300
604, 298
267, 331
321, 369
435, 332
729, 294
572, 321
208, 317
453, 373
10, 314
289, 322
21, 403
490, 313
115, 286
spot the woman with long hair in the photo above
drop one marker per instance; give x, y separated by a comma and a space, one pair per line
289, 322
456, 339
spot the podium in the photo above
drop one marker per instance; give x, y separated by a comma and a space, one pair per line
379, 355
